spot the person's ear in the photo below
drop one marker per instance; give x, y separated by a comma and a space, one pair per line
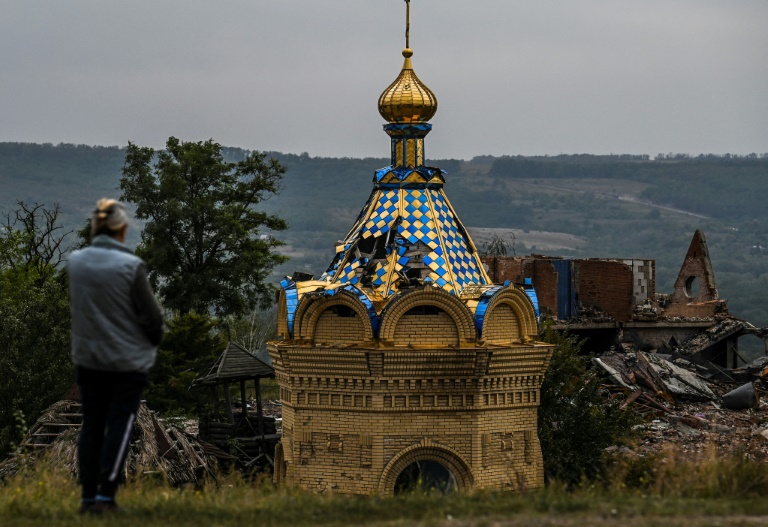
121, 233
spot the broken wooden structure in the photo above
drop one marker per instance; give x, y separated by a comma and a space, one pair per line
157, 451
230, 424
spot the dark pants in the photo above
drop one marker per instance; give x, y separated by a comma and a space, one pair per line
110, 402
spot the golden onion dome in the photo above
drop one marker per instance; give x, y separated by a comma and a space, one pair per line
407, 100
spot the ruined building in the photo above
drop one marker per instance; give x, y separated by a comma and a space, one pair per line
403, 362
614, 303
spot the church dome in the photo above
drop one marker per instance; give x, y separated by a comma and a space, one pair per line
407, 99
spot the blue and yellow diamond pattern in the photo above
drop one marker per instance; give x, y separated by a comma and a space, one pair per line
419, 215
383, 215
383, 274
349, 274
456, 254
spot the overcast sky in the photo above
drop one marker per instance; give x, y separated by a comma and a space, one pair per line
511, 77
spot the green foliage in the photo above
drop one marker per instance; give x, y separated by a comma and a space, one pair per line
712, 474
32, 242
719, 180
48, 495
34, 309
576, 419
201, 240
188, 349
599, 198
34, 352
21, 431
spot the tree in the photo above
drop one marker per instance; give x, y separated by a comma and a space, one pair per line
35, 367
189, 348
201, 240
255, 329
498, 246
32, 241
577, 421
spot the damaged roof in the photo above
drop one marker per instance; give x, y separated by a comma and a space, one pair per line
407, 233
234, 364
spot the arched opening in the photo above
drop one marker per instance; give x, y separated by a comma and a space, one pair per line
445, 466
427, 317
426, 476
509, 317
692, 287
338, 319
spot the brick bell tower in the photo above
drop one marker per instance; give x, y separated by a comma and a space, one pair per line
403, 365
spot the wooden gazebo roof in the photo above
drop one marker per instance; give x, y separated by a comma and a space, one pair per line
234, 364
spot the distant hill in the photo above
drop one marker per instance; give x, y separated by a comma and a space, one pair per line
568, 205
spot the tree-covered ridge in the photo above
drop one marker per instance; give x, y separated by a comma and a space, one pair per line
726, 187
52, 164
622, 206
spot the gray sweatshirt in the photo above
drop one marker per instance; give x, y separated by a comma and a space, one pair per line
116, 320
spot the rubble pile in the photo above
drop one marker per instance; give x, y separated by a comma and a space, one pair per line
157, 449
274, 409
692, 407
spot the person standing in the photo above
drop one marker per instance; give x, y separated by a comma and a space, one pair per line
117, 325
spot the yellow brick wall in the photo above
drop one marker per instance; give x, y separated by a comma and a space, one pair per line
427, 299
334, 329
517, 300
427, 330
348, 452
501, 325
350, 433
282, 315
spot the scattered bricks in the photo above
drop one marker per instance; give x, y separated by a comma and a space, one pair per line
692, 421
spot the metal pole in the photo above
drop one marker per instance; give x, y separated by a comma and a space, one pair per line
407, 23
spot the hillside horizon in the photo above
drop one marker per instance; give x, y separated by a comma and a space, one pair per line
583, 205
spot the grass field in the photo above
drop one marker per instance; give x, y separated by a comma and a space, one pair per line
712, 491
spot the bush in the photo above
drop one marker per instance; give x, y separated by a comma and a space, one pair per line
188, 349
35, 368
577, 419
